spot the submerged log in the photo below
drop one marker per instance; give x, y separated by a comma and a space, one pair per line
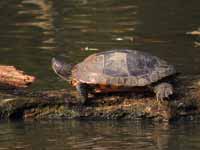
11, 77
64, 104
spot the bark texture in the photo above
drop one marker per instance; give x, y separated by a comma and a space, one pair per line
11, 77
63, 104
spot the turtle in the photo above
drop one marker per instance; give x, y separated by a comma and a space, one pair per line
117, 70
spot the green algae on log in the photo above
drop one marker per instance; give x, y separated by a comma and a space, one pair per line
63, 104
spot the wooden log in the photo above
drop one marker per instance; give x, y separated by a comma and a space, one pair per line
10, 76
64, 104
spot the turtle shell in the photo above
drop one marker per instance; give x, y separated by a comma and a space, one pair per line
122, 68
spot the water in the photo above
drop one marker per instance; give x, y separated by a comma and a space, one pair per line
100, 135
33, 31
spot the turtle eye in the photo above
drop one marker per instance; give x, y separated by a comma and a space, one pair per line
57, 65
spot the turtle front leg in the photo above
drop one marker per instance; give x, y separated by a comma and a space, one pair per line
163, 90
83, 92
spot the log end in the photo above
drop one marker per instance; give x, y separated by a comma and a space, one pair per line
10, 76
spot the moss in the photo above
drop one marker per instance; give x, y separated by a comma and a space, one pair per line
63, 104
68, 113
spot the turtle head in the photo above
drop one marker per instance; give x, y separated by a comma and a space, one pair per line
61, 68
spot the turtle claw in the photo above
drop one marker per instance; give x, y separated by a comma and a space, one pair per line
163, 90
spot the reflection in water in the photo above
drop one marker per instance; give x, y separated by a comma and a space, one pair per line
97, 135
195, 33
102, 135
44, 17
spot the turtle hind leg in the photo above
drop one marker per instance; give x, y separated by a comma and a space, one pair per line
163, 90
83, 92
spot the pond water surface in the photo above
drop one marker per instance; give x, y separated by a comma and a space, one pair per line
99, 135
33, 31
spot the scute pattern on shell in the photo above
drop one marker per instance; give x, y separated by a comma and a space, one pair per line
122, 68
